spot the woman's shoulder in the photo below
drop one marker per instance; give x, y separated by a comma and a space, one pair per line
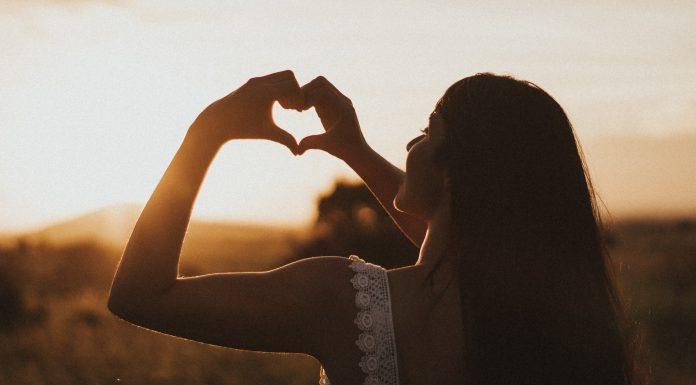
332, 267
334, 273
318, 263
338, 278
329, 274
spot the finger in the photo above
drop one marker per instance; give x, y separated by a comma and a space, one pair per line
312, 142
287, 92
285, 138
275, 77
279, 86
329, 103
326, 106
322, 82
316, 93
326, 82
319, 96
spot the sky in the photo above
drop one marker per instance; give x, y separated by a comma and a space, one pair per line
96, 96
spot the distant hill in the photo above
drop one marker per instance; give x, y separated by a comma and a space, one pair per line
113, 225
110, 225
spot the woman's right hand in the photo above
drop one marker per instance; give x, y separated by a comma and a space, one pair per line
343, 137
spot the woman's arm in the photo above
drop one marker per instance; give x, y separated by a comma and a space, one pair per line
383, 179
343, 139
149, 265
150, 260
270, 311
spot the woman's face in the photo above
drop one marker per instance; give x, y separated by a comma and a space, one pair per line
423, 186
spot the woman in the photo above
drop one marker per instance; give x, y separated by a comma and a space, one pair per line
512, 284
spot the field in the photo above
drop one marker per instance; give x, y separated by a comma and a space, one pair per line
55, 329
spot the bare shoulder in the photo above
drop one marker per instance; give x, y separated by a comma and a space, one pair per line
313, 265
319, 274
335, 329
325, 278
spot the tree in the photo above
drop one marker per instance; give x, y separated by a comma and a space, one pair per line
351, 221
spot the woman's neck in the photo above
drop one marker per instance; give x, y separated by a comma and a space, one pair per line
437, 236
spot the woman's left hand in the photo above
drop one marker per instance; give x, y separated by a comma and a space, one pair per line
246, 113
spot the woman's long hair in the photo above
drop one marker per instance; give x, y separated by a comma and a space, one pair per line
539, 300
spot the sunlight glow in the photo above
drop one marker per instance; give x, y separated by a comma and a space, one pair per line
97, 96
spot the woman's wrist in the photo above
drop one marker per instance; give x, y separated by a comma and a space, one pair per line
201, 135
200, 149
358, 156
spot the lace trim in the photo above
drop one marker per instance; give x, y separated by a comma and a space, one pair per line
374, 320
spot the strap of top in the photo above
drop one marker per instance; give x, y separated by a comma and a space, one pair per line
375, 324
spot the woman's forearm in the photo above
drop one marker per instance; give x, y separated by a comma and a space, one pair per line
150, 261
383, 179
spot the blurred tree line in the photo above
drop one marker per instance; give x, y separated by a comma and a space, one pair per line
350, 220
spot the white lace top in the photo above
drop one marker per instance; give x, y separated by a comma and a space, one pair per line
375, 325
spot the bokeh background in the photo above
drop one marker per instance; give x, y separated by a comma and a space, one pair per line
97, 96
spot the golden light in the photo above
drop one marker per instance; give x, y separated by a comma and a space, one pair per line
97, 96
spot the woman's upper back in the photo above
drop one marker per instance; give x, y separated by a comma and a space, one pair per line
426, 327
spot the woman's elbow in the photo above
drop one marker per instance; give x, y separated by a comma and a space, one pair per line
137, 308
123, 306
116, 305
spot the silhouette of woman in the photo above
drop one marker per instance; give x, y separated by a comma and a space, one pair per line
513, 284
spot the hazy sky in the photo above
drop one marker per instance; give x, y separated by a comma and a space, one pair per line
97, 96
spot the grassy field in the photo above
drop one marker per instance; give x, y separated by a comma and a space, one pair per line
55, 329
656, 267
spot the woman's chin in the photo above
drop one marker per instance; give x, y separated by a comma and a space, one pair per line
401, 204
398, 200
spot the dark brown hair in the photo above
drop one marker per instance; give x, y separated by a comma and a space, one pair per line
539, 299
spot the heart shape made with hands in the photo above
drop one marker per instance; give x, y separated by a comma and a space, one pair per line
279, 92
299, 124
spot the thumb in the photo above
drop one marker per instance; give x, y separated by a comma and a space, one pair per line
285, 138
312, 142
